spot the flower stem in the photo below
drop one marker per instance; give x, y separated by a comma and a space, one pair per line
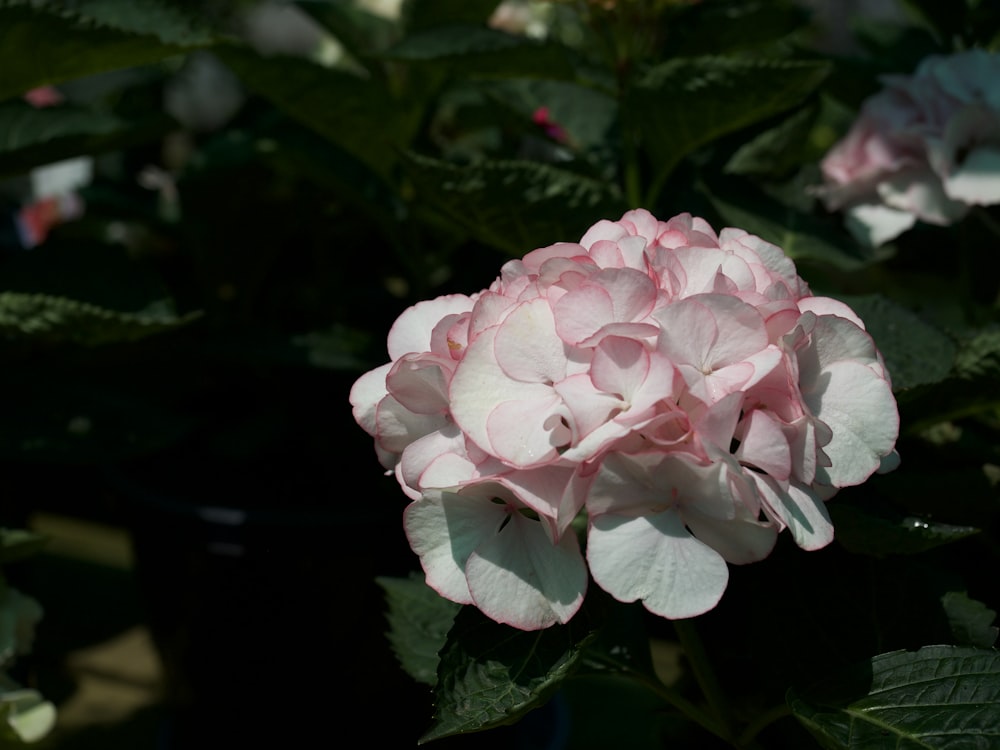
764, 719
667, 694
704, 675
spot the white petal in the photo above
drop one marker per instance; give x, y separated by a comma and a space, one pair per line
656, 560
799, 509
873, 224
977, 181
738, 541
444, 529
519, 578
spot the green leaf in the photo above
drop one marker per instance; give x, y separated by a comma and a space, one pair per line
482, 51
18, 544
515, 206
971, 621
169, 22
882, 532
31, 137
42, 46
419, 621
42, 317
491, 675
358, 115
945, 697
777, 151
685, 103
736, 26
916, 352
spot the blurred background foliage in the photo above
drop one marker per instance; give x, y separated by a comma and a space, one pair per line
213, 212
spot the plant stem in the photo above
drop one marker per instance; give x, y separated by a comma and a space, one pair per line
754, 728
694, 650
675, 699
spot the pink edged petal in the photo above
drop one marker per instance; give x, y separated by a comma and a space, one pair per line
656, 560
444, 529
479, 385
860, 410
556, 493
829, 306
620, 366
520, 578
798, 509
582, 312
444, 450
835, 339
412, 330
530, 431
397, 426
589, 407
526, 346
420, 383
365, 394
764, 446
739, 541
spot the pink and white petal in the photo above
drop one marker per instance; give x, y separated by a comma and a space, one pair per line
764, 446
828, 306
582, 312
397, 426
478, 385
620, 366
365, 394
589, 408
739, 541
527, 347
656, 560
797, 508
437, 460
530, 431
520, 578
556, 493
420, 383
411, 332
444, 529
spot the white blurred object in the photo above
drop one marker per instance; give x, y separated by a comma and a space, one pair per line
61, 177
275, 28
204, 94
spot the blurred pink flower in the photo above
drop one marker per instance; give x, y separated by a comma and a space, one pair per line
924, 148
680, 388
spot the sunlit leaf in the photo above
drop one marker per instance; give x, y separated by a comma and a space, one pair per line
941, 697
42, 317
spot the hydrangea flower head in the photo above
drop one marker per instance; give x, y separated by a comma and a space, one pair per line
680, 388
926, 147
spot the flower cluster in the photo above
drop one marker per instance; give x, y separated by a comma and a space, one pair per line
926, 147
680, 389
